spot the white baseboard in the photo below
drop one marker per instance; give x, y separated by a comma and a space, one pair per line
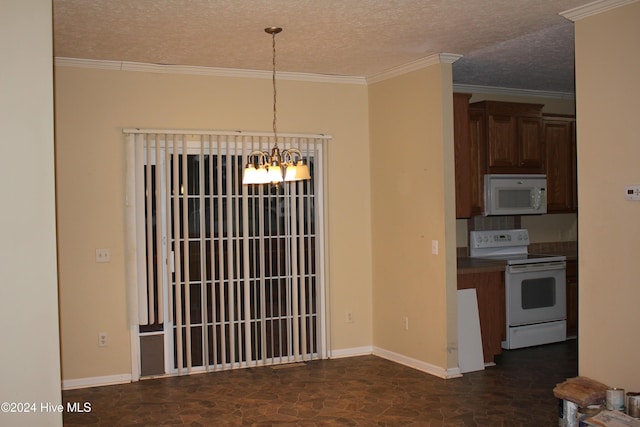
398, 358
351, 352
418, 364
96, 381
335, 354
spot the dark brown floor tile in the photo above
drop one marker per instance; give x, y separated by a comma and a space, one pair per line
359, 391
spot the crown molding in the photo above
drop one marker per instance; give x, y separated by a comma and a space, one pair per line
438, 58
593, 8
442, 58
203, 71
512, 92
446, 58
449, 58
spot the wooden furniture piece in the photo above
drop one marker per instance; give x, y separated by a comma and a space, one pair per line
462, 152
508, 137
490, 291
513, 137
470, 163
559, 134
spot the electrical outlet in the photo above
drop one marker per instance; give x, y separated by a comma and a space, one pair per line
103, 339
103, 255
434, 247
349, 318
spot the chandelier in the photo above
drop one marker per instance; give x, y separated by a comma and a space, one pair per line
280, 165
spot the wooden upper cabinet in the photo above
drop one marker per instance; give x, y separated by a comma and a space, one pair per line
462, 154
532, 155
504, 137
469, 164
478, 164
501, 145
514, 142
560, 145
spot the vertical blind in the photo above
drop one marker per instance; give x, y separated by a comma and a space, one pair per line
229, 275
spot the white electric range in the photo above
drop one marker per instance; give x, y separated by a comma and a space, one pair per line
535, 287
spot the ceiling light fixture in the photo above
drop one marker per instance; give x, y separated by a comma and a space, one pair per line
280, 165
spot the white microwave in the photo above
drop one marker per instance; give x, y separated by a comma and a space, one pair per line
509, 194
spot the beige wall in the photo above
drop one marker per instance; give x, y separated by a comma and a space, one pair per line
608, 107
94, 105
398, 203
412, 181
28, 285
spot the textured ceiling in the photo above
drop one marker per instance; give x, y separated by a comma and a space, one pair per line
521, 44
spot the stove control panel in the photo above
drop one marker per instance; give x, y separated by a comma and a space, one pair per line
498, 238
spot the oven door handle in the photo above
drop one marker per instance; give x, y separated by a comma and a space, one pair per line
542, 266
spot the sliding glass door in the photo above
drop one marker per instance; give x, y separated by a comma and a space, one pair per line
232, 274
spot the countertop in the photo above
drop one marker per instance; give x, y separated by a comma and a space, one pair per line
467, 265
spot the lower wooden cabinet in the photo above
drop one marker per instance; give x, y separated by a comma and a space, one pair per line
490, 292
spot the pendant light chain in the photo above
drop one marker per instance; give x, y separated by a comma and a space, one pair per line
275, 111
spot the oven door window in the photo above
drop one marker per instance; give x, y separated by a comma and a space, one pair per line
535, 296
538, 293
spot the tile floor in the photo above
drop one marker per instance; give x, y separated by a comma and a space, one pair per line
358, 391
